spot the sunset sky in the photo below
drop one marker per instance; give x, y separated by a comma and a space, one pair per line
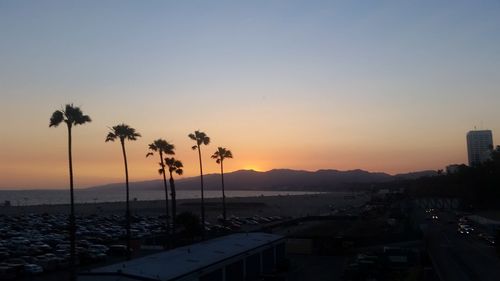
388, 86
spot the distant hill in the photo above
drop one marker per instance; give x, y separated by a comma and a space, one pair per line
278, 180
415, 175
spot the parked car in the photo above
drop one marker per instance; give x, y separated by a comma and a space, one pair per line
118, 250
32, 269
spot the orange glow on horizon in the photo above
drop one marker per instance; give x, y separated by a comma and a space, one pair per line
252, 167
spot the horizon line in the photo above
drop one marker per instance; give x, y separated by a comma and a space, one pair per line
197, 176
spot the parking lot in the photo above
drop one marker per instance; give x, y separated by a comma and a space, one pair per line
38, 244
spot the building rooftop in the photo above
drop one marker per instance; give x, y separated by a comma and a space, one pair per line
181, 261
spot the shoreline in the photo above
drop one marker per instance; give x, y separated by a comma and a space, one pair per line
55, 197
280, 205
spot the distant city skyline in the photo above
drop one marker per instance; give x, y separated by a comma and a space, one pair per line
384, 86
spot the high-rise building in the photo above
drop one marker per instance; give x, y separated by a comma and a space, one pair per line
479, 144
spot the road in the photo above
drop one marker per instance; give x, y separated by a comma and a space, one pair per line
458, 257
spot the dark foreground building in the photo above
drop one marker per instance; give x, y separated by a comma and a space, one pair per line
231, 258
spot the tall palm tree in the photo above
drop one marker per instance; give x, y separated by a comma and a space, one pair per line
220, 154
72, 116
174, 166
161, 147
201, 139
124, 132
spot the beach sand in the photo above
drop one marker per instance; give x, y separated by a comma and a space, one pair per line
288, 205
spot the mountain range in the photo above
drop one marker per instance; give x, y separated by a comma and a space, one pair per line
277, 180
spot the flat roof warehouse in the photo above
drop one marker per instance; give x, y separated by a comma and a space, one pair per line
234, 257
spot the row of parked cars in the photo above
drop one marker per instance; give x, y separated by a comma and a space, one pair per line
37, 243
235, 223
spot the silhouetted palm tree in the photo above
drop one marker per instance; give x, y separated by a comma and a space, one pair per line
174, 166
163, 147
201, 139
72, 116
220, 154
124, 132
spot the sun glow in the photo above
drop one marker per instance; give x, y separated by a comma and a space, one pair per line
252, 167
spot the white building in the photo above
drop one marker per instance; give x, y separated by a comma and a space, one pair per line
479, 144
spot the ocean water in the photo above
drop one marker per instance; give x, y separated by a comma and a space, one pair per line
44, 197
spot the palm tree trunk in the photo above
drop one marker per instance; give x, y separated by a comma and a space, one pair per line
174, 204
127, 209
202, 196
166, 196
223, 193
72, 222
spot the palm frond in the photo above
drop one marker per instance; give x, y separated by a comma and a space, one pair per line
124, 131
149, 154
222, 153
56, 118
74, 116
169, 161
178, 164
173, 164
152, 147
200, 138
71, 115
82, 119
168, 148
162, 146
134, 136
110, 137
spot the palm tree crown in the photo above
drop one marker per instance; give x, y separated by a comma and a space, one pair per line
200, 138
71, 115
222, 153
122, 132
161, 146
174, 165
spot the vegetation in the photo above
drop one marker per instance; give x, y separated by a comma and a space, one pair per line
124, 132
190, 224
174, 166
162, 147
477, 187
201, 139
72, 116
221, 154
